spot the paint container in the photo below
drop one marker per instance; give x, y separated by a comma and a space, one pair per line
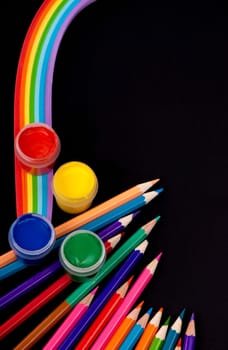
37, 147
82, 254
32, 237
74, 186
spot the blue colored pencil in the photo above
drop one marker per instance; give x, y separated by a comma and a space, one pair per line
136, 332
94, 225
104, 296
174, 333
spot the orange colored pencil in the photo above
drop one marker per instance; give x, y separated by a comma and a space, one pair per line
114, 302
91, 214
150, 331
34, 305
124, 328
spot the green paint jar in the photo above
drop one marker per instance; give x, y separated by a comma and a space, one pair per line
82, 253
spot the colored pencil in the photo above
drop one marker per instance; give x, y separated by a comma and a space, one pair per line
28, 285
117, 226
190, 335
101, 299
72, 224
136, 332
159, 339
103, 317
107, 232
34, 305
124, 328
150, 331
178, 346
174, 333
115, 259
23, 314
112, 242
133, 294
75, 315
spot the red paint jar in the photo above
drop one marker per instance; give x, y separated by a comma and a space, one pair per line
37, 147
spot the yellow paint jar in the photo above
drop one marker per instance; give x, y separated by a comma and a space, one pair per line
74, 187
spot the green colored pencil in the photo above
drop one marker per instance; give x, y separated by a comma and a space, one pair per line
116, 258
159, 338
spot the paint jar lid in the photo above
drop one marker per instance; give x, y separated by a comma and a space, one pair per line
32, 237
74, 186
82, 253
37, 145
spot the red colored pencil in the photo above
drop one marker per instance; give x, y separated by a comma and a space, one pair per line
178, 346
104, 316
34, 305
112, 242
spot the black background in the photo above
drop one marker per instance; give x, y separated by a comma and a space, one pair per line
139, 92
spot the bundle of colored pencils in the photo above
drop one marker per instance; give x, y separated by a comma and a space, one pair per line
103, 318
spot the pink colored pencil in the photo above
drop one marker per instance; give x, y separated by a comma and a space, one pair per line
75, 315
131, 297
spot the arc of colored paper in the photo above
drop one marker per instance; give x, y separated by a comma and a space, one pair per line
33, 92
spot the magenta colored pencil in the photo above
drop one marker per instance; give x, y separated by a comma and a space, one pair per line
75, 315
131, 297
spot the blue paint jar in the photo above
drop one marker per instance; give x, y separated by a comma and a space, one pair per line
32, 237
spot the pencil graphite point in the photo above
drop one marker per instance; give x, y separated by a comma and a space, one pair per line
160, 190
130, 279
182, 314
158, 257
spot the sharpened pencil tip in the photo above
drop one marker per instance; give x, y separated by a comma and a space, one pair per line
149, 226
94, 290
149, 311
182, 314
158, 257
142, 246
166, 323
192, 317
130, 279
158, 218
160, 190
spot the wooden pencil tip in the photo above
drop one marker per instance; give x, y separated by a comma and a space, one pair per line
159, 256
146, 185
139, 306
130, 279
142, 246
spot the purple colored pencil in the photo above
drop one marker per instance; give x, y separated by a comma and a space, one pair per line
104, 296
190, 335
29, 284
117, 226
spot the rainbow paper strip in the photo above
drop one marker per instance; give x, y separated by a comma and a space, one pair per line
33, 93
